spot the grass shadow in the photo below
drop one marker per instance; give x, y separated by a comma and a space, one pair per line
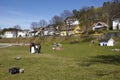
74, 42
102, 59
106, 59
105, 73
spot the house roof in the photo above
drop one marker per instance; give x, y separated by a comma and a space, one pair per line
105, 40
32, 31
100, 24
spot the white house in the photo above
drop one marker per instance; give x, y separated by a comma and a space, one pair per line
14, 34
107, 42
32, 33
9, 34
76, 22
49, 33
72, 21
116, 24
23, 33
111, 42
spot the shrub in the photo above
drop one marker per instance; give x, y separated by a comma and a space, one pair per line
91, 32
87, 39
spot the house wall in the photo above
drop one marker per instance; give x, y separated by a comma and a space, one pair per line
9, 34
77, 30
103, 43
63, 33
75, 23
72, 21
116, 25
21, 34
110, 42
45, 33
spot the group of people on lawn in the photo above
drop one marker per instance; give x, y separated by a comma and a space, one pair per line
35, 48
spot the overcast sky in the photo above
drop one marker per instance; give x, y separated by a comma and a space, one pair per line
24, 12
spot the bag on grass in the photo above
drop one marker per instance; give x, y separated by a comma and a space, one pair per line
14, 70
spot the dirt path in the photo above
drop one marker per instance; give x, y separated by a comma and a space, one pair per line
4, 45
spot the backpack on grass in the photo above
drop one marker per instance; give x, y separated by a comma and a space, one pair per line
14, 70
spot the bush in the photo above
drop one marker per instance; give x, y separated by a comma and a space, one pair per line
98, 31
87, 39
91, 32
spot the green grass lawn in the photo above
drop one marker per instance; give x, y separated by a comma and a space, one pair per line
75, 62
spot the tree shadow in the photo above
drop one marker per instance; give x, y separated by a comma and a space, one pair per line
74, 42
105, 73
106, 59
102, 59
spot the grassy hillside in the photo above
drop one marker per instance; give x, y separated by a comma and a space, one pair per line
46, 39
81, 61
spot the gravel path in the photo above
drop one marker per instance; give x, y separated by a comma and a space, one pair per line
4, 45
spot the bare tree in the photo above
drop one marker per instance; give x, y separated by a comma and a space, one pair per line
42, 23
34, 26
17, 28
56, 20
66, 13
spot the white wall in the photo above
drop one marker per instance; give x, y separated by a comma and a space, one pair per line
110, 42
21, 34
9, 34
116, 24
103, 43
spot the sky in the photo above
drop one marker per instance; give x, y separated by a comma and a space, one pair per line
24, 12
